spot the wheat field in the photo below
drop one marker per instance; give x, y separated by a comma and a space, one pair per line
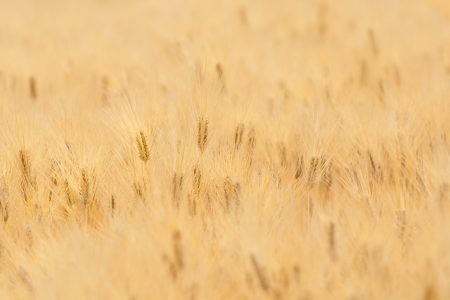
241, 149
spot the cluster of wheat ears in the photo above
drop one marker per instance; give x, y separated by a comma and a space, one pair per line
237, 150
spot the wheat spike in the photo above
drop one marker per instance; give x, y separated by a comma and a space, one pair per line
332, 240
32, 88
5, 213
299, 167
84, 187
25, 164
230, 193
105, 89
243, 16
322, 19
373, 42
262, 279
363, 72
69, 194
313, 170
239, 132
177, 185
142, 145
202, 136
178, 250
197, 180
113, 204
430, 293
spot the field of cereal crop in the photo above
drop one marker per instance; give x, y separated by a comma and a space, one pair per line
240, 149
